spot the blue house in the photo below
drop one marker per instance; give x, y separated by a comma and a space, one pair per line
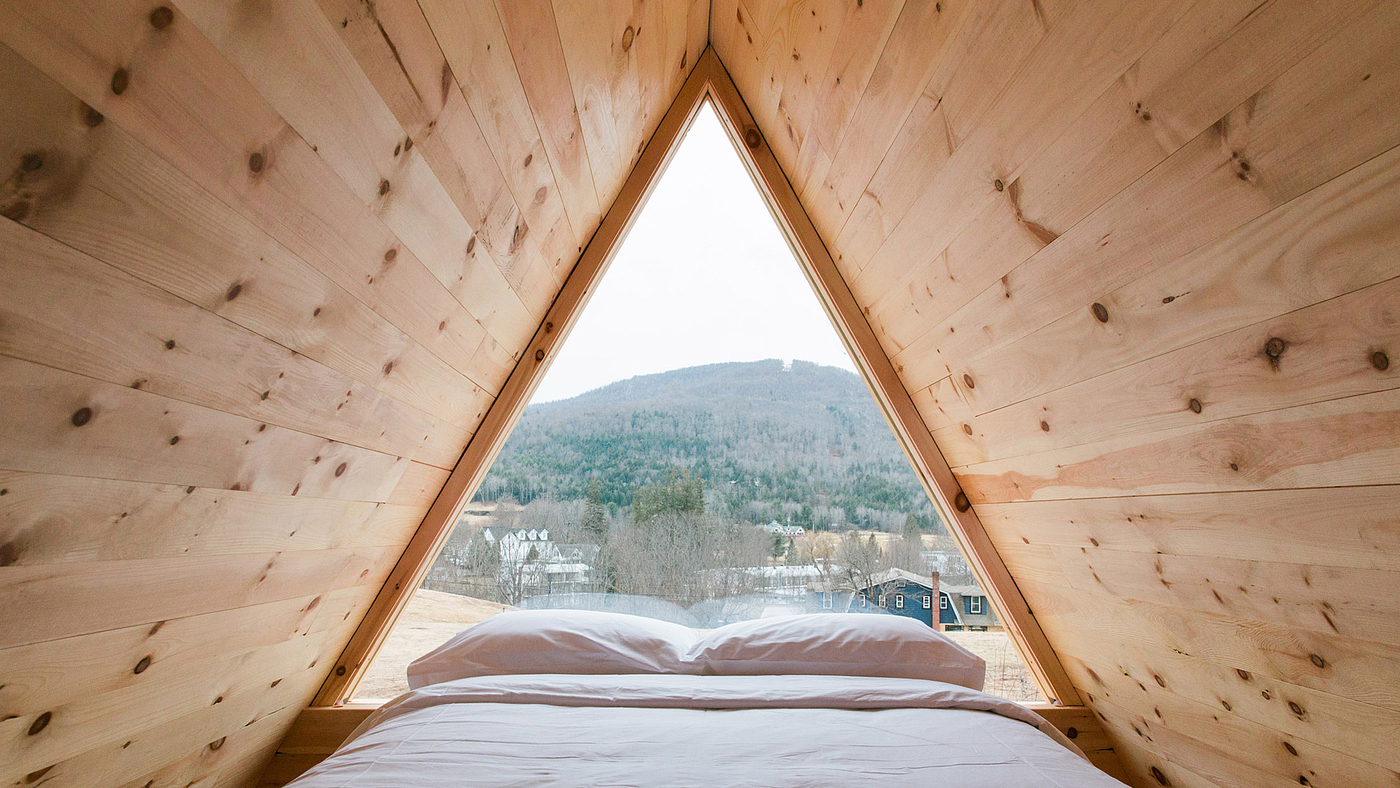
965, 608
902, 593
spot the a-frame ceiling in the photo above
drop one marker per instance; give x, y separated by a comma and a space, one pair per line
268, 264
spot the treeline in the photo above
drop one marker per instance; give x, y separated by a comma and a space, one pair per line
804, 444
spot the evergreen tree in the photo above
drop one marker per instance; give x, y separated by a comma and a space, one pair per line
678, 492
595, 515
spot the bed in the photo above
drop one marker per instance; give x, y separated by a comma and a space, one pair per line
785, 705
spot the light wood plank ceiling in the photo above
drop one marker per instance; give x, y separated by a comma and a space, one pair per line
265, 265
1136, 263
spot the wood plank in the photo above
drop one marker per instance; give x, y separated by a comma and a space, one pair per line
110, 197
1330, 241
293, 57
1281, 526
889, 392
243, 753
54, 601
42, 676
191, 106
488, 440
985, 55
1321, 598
1076, 61
211, 728
915, 49
62, 423
1196, 196
1341, 725
474, 43
1326, 351
605, 82
813, 42
419, 486
533, 34
1352, 441
1215, 57
47, 519
1364, 671
88, 722
1247, 752
129, 327
396, 49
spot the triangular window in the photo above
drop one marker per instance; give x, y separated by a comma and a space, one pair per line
701, 450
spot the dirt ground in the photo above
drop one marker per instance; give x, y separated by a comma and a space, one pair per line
1006, 673
433, 617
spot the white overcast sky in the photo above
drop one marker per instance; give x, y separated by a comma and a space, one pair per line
703, 277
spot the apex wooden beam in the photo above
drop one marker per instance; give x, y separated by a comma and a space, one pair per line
708, 80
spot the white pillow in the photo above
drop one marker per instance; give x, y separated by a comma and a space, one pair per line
839, 645
556, 641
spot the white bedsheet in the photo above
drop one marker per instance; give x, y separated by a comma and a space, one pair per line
719, 731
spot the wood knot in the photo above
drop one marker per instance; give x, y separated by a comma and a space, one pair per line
340, 469
388, 367
967, 381
967, 428
391, 255
1195, 405
628, 36
141, 666
1274, 347
217, 743
383, 187
471, 244
255, 161
1291, 749
1001, 187
1044, 426
1317, 660
1072, 733
234, 291
174, 440
960, 502
1159, 777
91, 117
1244, 674
1161, 682
539, 354
548, 327
1380, 361
529, 157
1100, 312
121, 80
30, 162
340, 670
82, 416
40, 722
1296, 709
162, 17
752, 138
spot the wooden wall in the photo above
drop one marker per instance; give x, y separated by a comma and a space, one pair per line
1136, 261
264, 264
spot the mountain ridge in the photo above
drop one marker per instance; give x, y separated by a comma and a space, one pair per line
803, 443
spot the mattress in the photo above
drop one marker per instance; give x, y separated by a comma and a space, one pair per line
719, 731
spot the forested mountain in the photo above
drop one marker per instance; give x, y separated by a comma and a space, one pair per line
802, 443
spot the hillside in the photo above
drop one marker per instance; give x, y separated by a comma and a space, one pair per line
804, 443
